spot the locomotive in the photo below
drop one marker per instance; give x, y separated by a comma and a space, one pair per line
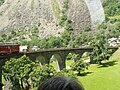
9, 48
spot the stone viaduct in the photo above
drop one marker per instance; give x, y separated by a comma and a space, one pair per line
44, 56
60, 55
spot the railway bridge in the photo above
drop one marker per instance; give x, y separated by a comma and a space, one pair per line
44, 56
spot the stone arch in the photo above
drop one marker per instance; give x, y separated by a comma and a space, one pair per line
53, 61
41, 60
59, 61
80, 53
86, 56
69, 60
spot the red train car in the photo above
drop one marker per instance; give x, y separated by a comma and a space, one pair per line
9, 47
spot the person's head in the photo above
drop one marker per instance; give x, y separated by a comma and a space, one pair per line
60, 83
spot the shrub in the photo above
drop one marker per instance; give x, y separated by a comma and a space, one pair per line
100, 51
79, 65
41, 73
17, 71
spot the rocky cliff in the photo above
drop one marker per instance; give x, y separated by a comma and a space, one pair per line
23, 14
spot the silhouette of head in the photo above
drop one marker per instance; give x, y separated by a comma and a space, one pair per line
60, 83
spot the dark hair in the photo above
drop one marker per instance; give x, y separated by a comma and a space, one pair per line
61, 83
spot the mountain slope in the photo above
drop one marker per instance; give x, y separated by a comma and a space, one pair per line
44, 14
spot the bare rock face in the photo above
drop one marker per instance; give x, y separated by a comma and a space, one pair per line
79, 14
23, 14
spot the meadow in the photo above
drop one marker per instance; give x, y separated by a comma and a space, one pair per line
103, 77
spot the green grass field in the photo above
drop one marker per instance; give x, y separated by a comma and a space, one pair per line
106, 77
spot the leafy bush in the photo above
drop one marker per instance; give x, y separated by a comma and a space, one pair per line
83, 38
41, 73
103, 26
25, 74
68, 25
66, 38
54, 42
87, 29
67, 73
17, 71
112, 7
100, 50
79, 66
63, 18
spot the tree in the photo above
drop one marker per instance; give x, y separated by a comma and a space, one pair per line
79, 64
66, 72
68, 25
100, 50
43, 43
103, 26
25, 74
111, 7
17, 71
41, 73
55, 42
66, 38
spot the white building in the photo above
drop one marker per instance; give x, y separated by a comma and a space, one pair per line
35, 48
114, 41
23, 48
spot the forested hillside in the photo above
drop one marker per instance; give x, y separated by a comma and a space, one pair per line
112, 22
112, 7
